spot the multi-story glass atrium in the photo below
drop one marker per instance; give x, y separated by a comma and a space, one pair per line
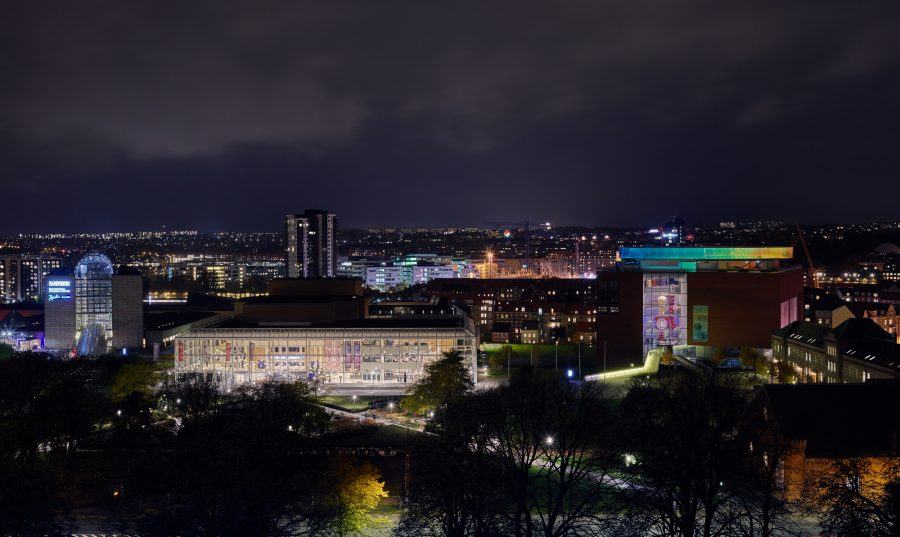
93, 294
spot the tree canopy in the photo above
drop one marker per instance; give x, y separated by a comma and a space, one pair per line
445, 380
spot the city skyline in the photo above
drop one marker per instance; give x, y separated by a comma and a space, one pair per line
277, 229
414, 115
450, 269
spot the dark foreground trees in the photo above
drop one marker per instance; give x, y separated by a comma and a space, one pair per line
445, 380
686, 470
94, 439
698, 464
858, 497
236, 466
531, 458
47, 410
456, 483
675, 457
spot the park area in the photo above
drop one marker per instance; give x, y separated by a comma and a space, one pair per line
497, 357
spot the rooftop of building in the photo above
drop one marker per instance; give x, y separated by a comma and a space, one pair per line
496, 283
855, 329
127, 270
861, 309
875, 351
314, 287
804, 332
860, 339
409, 299
22, 320
167, 320
299, 299
25, 308
365, 323
828, 301
815, 334
412, 309
204, 301
706, 253
837, 419
887, 248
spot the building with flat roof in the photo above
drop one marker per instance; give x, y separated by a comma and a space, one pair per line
695, 299
362, 352
403, 271
309, 251
93, 309
560, 307
22, 276
319, 330
59, 310
701, 298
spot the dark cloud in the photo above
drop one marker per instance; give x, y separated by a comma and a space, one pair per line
227, 115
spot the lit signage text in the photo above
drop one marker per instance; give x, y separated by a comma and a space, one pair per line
59, 290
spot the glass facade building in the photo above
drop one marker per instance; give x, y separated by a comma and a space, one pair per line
665, 305
369, 356
93, 293
92, 309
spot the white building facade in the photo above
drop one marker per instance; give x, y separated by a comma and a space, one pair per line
381, 354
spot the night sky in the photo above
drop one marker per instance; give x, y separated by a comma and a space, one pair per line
217, 116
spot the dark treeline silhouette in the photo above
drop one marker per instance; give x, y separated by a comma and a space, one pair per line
107, 439
682, 454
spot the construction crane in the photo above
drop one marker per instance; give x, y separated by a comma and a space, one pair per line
812, 269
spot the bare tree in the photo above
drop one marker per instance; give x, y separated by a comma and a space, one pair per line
554, 441
684, 435
531, 458
578, 456
762, 495
456, 483
857, 496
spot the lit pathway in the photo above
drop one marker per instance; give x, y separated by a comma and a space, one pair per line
369, 416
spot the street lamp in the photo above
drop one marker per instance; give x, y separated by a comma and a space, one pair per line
548, 440
556, 354
391, 405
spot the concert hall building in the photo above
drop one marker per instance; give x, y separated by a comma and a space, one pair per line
319, 330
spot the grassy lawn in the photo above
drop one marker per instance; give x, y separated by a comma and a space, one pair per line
587, 486
544, 357
372, 436
346, 402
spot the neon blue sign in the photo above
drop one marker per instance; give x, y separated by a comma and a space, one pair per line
59, 290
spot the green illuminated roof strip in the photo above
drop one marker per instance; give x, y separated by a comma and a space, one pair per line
710, 253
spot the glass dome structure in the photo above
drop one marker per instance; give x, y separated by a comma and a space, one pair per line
94, 266
93, 302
